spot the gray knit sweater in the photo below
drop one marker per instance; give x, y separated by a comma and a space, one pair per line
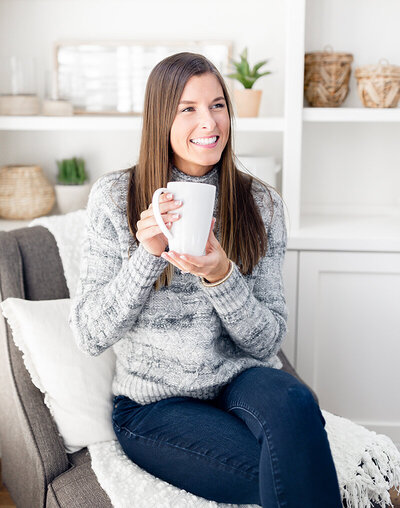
186, 339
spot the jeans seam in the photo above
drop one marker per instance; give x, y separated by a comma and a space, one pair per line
247, 475
254, 414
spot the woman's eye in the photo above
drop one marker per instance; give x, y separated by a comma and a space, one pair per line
190, 107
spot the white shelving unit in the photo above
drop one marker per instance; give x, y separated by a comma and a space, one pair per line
347, 327
366, 230
93, 123
344, 114
117, 123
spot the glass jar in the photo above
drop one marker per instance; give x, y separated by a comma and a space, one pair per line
19, 86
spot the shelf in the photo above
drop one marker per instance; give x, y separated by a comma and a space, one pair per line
343, 114
260, 124
370, 233
118, 123
8, 225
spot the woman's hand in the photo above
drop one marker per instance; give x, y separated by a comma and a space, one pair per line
213, 266
149, 232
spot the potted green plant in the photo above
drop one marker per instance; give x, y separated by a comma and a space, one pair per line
248, 100
71, 190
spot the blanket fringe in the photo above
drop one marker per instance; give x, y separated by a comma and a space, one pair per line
377, 473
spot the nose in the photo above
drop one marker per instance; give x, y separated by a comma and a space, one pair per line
207, 120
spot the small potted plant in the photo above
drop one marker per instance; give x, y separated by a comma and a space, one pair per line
248, 100
71, 190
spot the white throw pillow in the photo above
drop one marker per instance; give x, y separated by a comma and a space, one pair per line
77, 387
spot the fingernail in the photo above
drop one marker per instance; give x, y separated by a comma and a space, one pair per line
178, 202
169, 196
183, 257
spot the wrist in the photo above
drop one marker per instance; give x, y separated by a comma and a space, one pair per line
219, 277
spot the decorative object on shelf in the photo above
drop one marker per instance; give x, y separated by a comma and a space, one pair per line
53, 107
25, 192
71, 191
247, 101
118, 70
265, 167
18, 86
326, 77
379, 85
52, 104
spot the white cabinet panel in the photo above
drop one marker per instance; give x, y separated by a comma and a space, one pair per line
348, 337
290, 284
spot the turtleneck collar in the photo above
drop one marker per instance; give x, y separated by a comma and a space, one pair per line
211, 177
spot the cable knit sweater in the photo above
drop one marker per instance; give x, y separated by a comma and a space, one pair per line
186, 339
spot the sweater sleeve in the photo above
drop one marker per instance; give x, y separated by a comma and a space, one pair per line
256, 320
111, 290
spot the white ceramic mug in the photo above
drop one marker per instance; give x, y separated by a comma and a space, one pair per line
189, 234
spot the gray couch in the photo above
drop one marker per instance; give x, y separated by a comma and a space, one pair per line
36, 469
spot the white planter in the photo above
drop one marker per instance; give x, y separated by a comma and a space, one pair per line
263, 167
70, 198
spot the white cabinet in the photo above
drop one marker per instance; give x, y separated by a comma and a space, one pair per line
290, 283
348, 340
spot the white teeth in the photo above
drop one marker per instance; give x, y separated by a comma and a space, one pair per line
202, 141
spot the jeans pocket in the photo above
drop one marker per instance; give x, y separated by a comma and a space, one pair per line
117, 399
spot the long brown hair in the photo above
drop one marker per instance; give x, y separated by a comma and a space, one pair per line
243, 234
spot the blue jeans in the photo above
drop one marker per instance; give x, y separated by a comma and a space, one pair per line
261, 440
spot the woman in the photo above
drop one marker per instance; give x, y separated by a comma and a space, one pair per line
200, 400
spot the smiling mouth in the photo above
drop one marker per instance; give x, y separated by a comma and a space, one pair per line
205, 141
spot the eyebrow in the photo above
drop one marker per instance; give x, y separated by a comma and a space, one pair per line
193, 102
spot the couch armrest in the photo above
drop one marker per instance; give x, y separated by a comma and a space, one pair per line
287, 367
77, 488
32, 451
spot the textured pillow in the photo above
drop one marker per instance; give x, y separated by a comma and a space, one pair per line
77, 387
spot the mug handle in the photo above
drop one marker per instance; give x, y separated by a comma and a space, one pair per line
157, 213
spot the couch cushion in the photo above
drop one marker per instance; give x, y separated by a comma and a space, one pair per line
78, 458
77, 488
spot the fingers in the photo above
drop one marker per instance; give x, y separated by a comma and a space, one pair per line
144, 234
151, 220
211, 237
174, 259
166, 205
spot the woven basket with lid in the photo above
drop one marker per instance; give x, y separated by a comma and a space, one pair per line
25, 192
326, 77
379, 85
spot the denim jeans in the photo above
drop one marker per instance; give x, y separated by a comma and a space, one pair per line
261, 440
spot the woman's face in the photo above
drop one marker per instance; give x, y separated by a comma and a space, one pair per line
202, 114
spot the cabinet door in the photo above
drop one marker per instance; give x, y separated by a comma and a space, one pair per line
290, 284
348, 337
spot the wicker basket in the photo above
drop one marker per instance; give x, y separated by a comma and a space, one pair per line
25, 192
379, 85
326, 77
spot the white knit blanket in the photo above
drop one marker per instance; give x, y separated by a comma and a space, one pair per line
367, 463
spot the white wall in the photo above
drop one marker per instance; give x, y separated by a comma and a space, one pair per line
30, 27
